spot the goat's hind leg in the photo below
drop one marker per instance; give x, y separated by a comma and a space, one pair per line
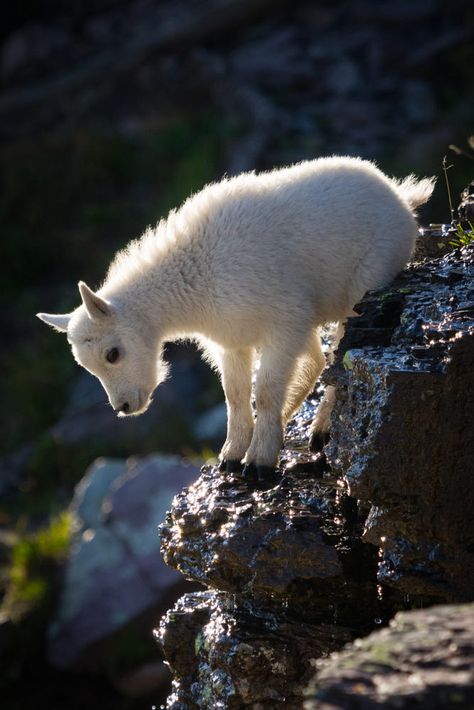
319, 432
309, 366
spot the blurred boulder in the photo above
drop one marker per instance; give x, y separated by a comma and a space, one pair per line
115, 572
212, 424
89, 418
12, 468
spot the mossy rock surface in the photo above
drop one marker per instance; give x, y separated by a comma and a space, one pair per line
425, 659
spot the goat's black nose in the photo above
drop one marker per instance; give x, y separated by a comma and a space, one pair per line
125, 408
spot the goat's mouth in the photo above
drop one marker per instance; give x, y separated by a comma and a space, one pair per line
141, 404
142, 407
144, 401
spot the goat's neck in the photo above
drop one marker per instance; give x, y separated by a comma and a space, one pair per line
168, 297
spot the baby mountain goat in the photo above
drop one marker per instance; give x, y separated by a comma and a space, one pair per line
252, 264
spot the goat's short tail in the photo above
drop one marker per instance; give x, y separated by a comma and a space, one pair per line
413, 191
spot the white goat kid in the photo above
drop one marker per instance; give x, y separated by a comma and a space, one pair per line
252, 264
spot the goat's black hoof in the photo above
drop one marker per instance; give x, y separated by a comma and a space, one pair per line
261, 476
249, 473
234, 466
267, 476
318, 440
231, 466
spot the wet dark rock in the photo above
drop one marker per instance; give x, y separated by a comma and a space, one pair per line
402, 436
424, 660
466, 208
435, 240
341, 539
228, 534
241, 655
294, 581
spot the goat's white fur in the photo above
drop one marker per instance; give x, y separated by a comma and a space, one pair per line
254, 263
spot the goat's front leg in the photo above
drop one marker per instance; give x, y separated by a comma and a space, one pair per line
276, 369
236, 372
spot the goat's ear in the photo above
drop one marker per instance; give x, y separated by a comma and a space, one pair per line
57, 321
96, 307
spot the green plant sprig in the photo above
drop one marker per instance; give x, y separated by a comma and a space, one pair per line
463, 237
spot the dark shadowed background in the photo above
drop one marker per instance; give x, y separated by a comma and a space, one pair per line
111, 113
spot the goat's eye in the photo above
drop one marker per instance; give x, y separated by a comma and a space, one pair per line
112, 355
